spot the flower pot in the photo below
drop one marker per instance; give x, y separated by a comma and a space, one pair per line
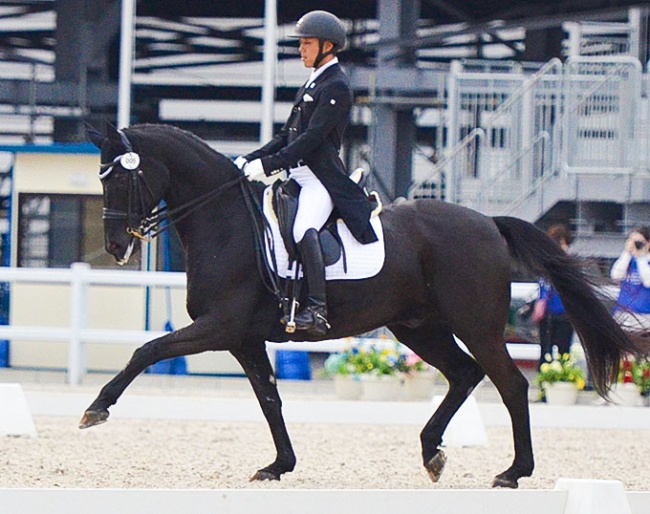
419, 386
561, 393
625, 395
381, 388
347, 387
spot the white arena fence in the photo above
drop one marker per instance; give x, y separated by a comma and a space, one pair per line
81, 277
579, 499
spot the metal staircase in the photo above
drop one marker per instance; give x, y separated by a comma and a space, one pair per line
519, 142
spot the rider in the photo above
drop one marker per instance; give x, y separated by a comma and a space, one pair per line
308, 147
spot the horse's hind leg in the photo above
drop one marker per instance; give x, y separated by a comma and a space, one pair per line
255, 362
513, 388
436, 345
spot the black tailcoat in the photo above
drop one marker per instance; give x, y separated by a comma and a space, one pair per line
312, 135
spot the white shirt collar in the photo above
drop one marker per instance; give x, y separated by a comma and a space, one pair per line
315, 73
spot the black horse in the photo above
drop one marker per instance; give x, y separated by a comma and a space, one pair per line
446, 273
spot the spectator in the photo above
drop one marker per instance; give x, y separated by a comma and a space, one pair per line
632, 271
554, 326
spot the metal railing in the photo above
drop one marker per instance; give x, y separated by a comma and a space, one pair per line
511, 132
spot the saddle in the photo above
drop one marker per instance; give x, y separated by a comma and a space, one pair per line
285, 205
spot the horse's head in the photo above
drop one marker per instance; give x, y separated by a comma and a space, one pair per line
129, 192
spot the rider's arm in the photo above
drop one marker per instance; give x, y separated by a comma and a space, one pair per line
278, 141
332, 111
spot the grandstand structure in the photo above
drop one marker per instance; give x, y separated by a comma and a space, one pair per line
533, 109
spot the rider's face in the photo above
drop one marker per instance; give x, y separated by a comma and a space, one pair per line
308, 51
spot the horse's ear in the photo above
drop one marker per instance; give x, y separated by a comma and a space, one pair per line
95, 137
113, 134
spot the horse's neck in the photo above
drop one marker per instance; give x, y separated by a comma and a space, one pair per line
216, 226
194, 171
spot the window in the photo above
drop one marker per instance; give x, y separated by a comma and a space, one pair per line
56, 230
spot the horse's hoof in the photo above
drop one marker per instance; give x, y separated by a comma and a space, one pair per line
436, 465
502, 481
93, 417
263, 475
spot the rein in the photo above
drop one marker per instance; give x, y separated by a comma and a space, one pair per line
263, 239
162, 218
149, 226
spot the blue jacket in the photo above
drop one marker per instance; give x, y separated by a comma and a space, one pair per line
553, 302
634, 296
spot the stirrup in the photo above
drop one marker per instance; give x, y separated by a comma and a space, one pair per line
289, 319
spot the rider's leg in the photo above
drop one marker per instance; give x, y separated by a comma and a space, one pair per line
313, 318
314, 203
314, 207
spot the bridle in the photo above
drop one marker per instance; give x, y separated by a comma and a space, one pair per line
143, 223
147, 225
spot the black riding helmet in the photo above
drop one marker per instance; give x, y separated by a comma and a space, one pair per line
324, 26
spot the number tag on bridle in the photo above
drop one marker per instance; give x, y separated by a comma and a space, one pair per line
130, 161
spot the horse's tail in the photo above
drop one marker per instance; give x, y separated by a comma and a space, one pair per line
604, 341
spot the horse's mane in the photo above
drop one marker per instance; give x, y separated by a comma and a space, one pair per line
176, 133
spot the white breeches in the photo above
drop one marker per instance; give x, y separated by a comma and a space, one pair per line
314, 203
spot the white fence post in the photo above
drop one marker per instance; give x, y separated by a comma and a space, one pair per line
78, 321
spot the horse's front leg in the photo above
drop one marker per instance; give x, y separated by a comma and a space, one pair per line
255, 362
195, 338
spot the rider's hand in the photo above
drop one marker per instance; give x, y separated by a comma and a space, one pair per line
254, 170
240, 162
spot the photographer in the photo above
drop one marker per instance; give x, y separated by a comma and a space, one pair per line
633, 271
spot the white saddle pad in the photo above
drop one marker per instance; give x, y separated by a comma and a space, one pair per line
363, 261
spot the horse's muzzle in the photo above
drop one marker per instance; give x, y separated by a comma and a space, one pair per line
121, 250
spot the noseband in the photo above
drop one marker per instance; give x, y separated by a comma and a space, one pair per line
140, 222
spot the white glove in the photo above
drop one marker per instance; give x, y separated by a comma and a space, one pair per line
254, 170
240, 162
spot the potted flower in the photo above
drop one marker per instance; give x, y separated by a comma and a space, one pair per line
418, 377
344, 368
375, 369
641, 373
379, 369
625, 391
560, 379
632, 383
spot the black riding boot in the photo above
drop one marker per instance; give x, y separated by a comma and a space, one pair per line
313, 318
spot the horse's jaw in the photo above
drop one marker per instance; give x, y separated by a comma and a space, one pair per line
127, 254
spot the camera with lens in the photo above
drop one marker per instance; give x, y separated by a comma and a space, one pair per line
639, 244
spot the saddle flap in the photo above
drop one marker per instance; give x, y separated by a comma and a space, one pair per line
285, 205
358, 261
